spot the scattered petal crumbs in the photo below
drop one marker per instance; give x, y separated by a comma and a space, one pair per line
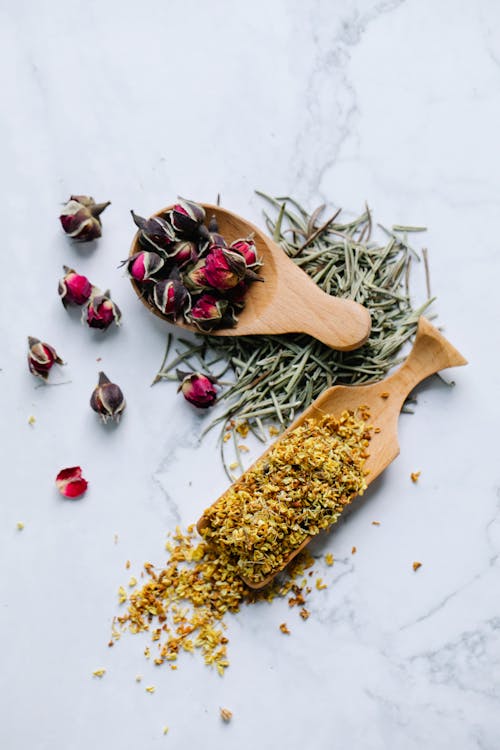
417, 565
415, 475
284, 628
226, 715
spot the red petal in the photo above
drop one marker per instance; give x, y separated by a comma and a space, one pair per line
70, 482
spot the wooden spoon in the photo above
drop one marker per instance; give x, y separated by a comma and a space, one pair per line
431, 352
288, 301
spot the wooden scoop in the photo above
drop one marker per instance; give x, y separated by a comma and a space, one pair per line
431, 352
288, 301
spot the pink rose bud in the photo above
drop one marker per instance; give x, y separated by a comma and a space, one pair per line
41, 357
156, 231
207, 313
70, 482
224, 268
107, 399
187, 219
144, 265
73, 288
80, 218
183, 253
197, 388
195, 278
247, 249
101, 311
170, 296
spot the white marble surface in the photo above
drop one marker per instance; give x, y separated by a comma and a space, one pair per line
396, 102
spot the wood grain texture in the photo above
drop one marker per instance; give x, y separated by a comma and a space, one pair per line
288, 301
431, 353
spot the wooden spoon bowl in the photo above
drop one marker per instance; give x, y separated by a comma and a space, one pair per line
287, 302
431, 352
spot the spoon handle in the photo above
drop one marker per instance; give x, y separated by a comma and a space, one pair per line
431, 353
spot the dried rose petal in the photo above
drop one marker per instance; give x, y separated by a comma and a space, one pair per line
70, 482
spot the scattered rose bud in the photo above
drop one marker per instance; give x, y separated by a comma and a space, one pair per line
224, 269
207, 312
80, 218
197, 388
144, 265
74, 289
170, 296
107, 399
247, 249
41, 357
101, 311
157, 231
70, 482
186, 218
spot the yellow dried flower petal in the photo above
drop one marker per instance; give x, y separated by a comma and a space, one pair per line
415, 476
150, 689
329, 558
31, 420
284, 628
417, 565
132, 582
20, 525
165, 730
320, 585
122, 595
226, 715
99, 672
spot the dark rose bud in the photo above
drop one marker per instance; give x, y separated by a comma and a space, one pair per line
224, 268
247, 249
183, 253
101, 311
170, 296
73, 288
143, 266
187, 219
107, 399
70, 482
157, 231
197, 388
207, 313
236, 295
80, 218
216, 239
41, 357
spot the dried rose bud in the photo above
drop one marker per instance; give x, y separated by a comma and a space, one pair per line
224, 268
73, 288
170, 296
157, 231
143, 266
107, 399
70, 482
216, 239
197, 388
195, 278
187, 219
247, 249
101, 311
237, 294
207, 313
80, 218
183, 253
41, 357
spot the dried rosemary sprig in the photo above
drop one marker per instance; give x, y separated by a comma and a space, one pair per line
277, 377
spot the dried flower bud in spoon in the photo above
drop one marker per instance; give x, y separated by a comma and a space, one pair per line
80, 218
143, 266
186, 218
41, 357
156, 231
101, 311
216, 239
183, 253
107, 399
247, 249
197, 388
207, 312
170, 297
74, 289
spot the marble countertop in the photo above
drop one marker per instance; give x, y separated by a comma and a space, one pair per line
392, 101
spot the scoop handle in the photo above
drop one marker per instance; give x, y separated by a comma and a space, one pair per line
431, 352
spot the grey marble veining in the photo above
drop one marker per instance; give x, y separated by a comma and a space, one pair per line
395, 103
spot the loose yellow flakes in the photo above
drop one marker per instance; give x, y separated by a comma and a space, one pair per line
320, 585
234, 465
122, 595
243, 448
31, 420
415, 475
132, 582
20, 525
304, 613
273, 431
226, 715
147, 652
243, 428
165, 730
150, 689
127, 564
354, 550
377, 430
375, 523
227, 437
329, 558
99, 673
284, 628
417, 565
385, 394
